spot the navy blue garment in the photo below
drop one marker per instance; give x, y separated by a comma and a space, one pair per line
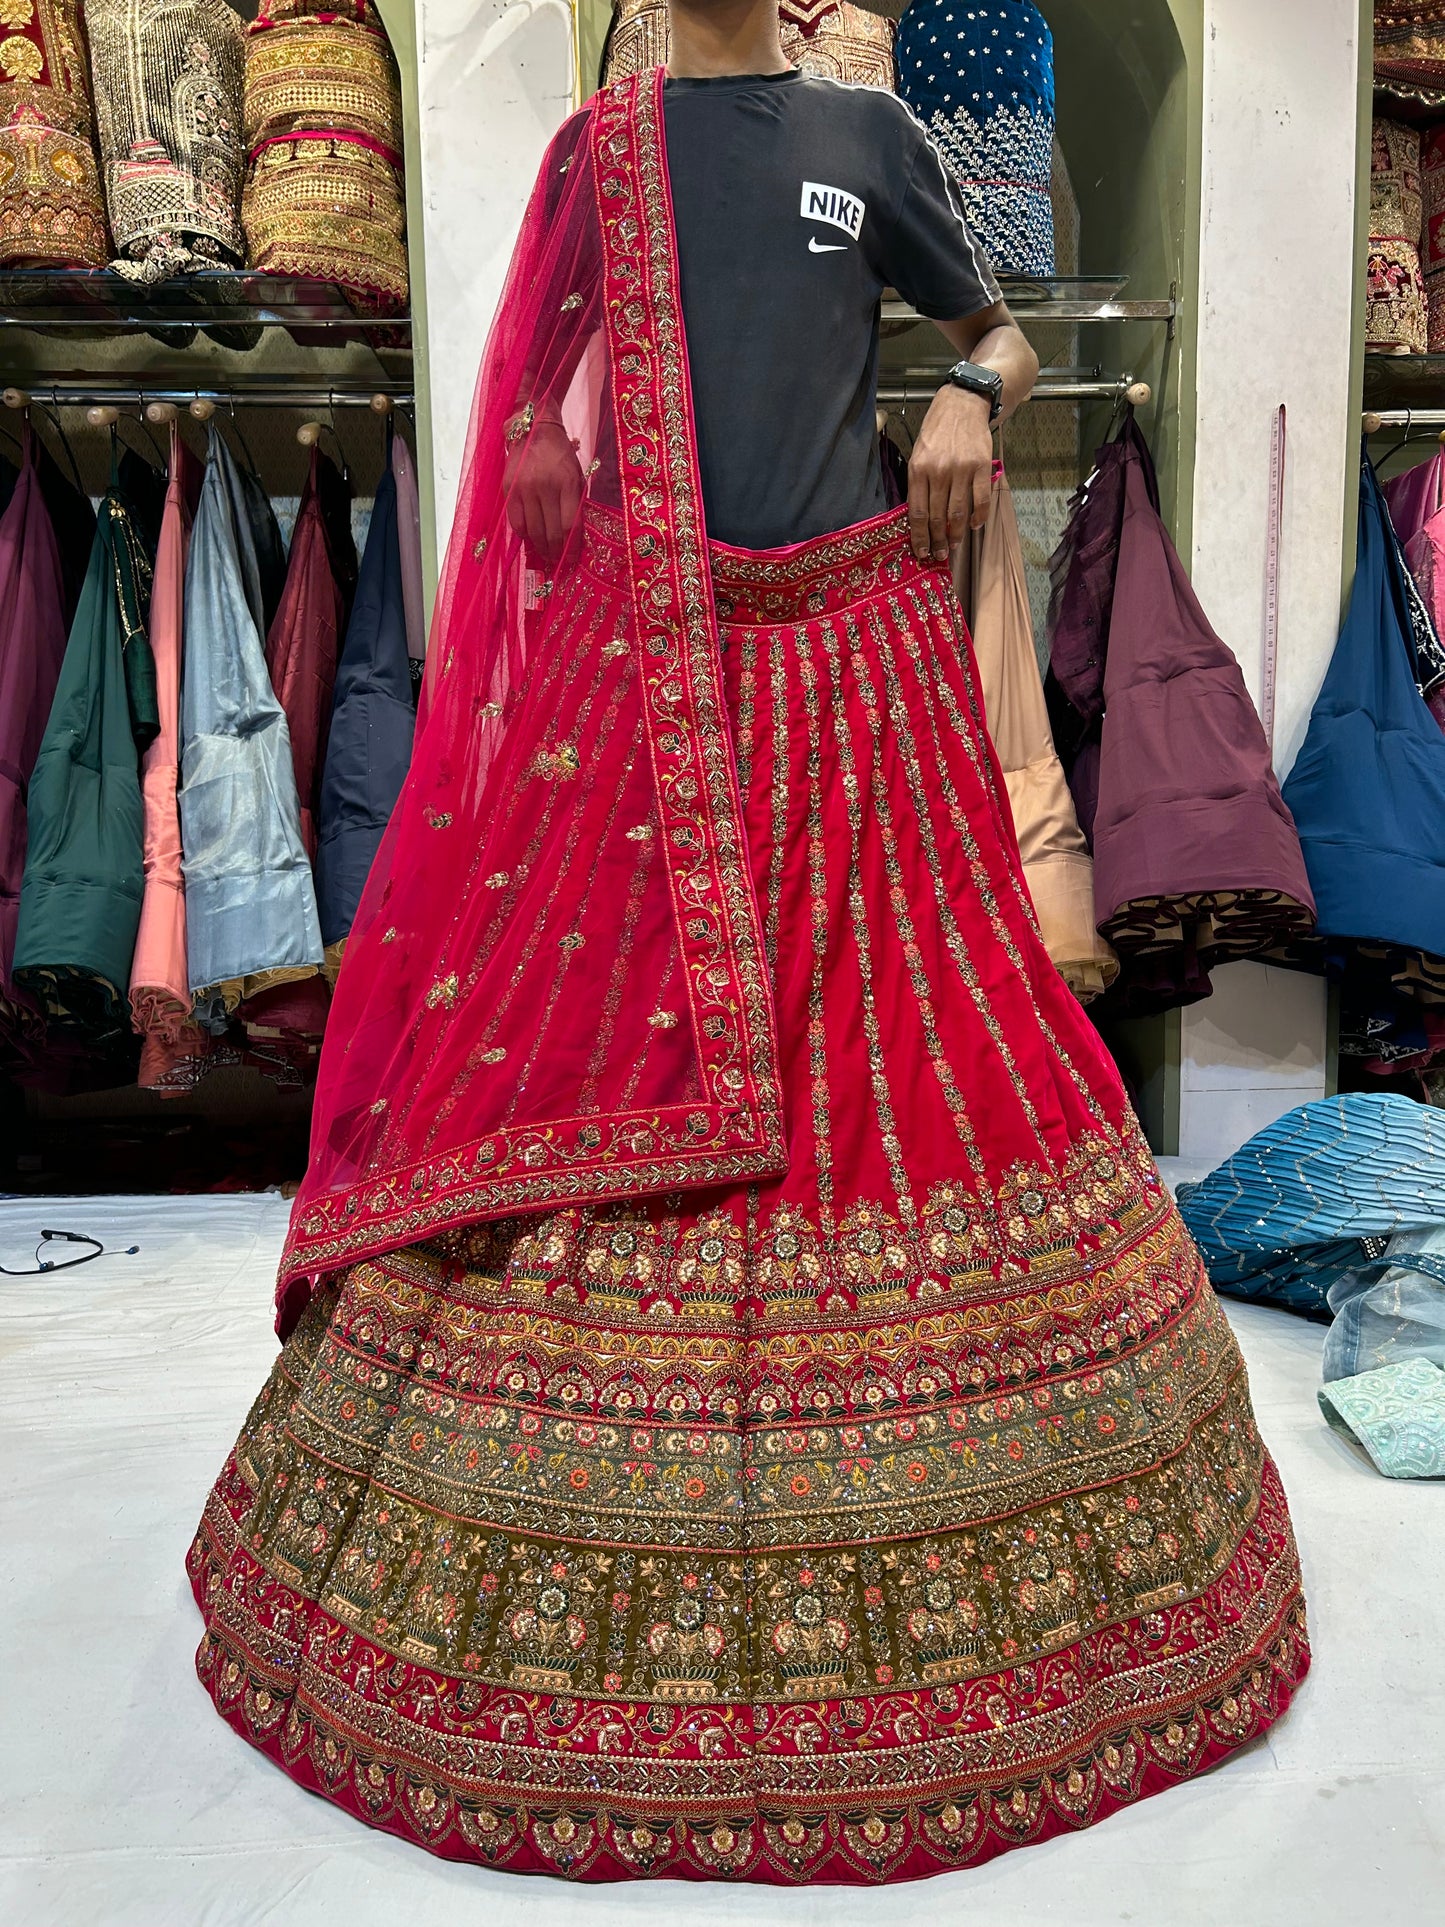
1367, 791
368, 750
981, 79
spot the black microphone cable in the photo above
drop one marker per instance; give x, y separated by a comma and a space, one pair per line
43, 1265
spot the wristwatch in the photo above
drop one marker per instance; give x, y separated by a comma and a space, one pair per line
978, 380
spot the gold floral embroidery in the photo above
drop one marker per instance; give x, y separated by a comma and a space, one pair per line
21, 59
444, 992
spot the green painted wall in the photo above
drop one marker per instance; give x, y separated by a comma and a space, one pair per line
1127, 75
399, 19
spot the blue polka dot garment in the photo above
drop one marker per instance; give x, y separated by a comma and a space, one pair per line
981, 79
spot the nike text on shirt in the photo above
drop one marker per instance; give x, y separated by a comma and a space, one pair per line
832, 205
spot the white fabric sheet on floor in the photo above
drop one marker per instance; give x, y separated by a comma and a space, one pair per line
125, 1802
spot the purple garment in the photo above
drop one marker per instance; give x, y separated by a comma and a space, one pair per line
1194, 849
1081, 599
32, 647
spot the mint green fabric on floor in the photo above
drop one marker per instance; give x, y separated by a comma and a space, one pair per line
1397, 1413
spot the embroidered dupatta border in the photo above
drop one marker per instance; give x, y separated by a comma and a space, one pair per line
736, 1130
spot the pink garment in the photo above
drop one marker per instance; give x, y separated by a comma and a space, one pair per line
160, 997
408, 528
1416, 501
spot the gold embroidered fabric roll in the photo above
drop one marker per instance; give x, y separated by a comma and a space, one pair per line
1395, 314
1395, 199
830, 38
51, 211
1410, 43
324, 190
168, 108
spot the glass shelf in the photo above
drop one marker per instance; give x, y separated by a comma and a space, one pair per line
1064, 298
102, 301
1404, 381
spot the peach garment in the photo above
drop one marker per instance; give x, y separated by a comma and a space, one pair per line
160, 996
1057, 866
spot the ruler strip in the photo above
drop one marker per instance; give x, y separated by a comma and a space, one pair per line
1273, 538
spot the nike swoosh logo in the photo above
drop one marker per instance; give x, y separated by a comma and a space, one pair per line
816, 246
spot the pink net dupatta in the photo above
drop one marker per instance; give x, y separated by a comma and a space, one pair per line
555, 989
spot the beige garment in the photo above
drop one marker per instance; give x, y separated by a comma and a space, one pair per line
1057, 866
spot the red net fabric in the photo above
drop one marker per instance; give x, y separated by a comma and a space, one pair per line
555, 988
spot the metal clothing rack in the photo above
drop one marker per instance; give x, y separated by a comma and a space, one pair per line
922, 385
1374, 419
380, 396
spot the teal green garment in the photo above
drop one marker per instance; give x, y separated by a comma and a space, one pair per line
1397, 1413
84, 873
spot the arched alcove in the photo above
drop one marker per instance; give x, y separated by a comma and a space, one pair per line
1128, 79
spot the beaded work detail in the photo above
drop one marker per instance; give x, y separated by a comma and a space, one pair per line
981, 79
168, 106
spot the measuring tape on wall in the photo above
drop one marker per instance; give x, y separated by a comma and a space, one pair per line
1273, 537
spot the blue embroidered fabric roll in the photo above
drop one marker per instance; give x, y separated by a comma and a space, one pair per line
981, 79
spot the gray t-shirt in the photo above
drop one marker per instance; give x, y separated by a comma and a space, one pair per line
797, 201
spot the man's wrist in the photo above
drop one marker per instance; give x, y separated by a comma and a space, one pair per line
974, 378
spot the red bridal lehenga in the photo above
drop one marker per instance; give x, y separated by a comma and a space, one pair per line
748, 1407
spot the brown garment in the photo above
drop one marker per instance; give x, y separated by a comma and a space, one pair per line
1056, 861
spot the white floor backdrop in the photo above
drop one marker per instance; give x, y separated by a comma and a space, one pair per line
123, 1798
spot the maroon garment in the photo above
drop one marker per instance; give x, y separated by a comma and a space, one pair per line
1194, 849
32, 645
1081, 599
305, 637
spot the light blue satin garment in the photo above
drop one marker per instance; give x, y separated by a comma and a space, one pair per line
250, 898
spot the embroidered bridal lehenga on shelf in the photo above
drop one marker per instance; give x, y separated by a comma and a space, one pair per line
749, 1408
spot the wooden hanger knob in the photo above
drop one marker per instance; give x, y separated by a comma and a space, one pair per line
1138, 394
309, 434
381, 404
102, 417
15, 398
202, 408
162, 413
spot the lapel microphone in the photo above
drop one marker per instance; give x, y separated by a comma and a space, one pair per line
43, 1265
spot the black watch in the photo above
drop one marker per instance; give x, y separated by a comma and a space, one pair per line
978, 380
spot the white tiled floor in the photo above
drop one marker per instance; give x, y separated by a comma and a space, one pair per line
123, 1799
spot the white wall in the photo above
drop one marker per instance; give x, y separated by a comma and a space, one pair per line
1277, 296
495, 81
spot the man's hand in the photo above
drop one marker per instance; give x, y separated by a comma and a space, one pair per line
950, 473
544, 487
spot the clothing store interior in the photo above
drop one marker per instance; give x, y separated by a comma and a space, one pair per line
954, 1344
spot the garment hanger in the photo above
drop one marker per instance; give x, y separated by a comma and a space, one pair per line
240, 437
309, 434
52, 415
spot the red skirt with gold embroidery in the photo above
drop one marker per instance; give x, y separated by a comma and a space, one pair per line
847, 1527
